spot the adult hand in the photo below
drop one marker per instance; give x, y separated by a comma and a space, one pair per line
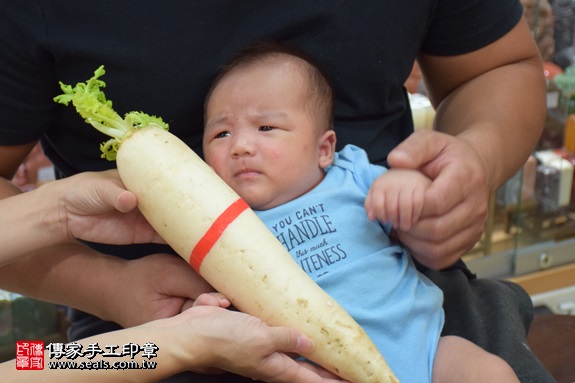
90, 206
456, 204
242, 344
96, 207
153, 287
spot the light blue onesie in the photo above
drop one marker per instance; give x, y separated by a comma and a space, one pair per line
328, 234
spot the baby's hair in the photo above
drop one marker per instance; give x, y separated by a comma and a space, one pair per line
259, 52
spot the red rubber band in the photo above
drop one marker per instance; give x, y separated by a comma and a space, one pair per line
214, 233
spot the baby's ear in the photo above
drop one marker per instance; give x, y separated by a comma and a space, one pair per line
326, 148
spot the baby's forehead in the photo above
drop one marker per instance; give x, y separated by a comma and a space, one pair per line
291, 73
291, 65
284, 58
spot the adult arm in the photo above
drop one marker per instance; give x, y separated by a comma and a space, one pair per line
128, 292
490, 113
200, 338
71, 274
90, 206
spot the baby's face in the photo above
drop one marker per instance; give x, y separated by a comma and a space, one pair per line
260, 137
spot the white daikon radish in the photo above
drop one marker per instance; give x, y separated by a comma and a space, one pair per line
212, 228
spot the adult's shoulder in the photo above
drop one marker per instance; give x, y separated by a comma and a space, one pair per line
464, 26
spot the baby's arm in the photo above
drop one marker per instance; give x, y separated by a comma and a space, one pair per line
396, 197
459, 360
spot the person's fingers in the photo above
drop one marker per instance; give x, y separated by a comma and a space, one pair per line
436, 255
125, 201
115, 194
188, 303
418, 149
456, 172
418, 196
93, 193
442, 195
301, 372
439, 242
369, 205
405, 209
289, 340
211, 299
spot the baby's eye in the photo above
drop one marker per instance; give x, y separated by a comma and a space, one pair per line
266, 128
222, 134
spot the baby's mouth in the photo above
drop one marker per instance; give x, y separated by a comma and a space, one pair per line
247, 173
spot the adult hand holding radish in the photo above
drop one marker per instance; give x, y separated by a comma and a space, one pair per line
90, 206
207, 224
95, 206
107, 213
226, 350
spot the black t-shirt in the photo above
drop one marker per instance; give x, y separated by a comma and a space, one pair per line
161, 56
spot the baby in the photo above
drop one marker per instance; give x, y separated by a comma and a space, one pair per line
268, 134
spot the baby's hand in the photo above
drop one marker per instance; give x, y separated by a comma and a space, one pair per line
396, 197
212, 299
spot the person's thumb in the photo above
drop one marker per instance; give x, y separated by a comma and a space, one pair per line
417, 150
126, 202
122, 200
292, 341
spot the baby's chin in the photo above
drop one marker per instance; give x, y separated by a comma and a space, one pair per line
262, 204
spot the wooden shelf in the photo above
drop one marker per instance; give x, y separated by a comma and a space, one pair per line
543, 281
